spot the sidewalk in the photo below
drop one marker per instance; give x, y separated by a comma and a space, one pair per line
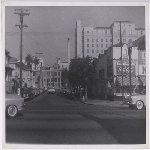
104, 103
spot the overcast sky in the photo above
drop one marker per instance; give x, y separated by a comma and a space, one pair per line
49, 27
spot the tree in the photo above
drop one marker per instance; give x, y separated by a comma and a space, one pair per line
82, 72
64, 75
29, 59
35, 61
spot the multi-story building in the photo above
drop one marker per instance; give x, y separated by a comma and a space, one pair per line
26, 73
94, 41
51, 76
109, 76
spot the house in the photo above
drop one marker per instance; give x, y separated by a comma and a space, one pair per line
8, 73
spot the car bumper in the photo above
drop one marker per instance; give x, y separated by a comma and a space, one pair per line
129, 102
51, 92
22, 107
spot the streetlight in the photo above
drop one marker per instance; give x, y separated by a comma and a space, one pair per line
129, 53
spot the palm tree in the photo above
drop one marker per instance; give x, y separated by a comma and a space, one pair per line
36, 62
29, 59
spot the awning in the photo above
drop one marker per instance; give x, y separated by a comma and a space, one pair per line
126, 81
142, 80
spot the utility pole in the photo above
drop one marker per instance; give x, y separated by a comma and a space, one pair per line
129, 53
21, 12
121, 62
40, 68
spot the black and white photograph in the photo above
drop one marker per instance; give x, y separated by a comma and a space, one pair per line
74, 74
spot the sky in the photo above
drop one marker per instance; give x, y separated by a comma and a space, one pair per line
50, 26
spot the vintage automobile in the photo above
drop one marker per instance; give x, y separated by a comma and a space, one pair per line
63, 90
51, 90
137, 101
14, 103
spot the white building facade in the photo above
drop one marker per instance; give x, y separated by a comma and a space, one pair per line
94, 41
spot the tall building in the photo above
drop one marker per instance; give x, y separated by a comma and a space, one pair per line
94, 41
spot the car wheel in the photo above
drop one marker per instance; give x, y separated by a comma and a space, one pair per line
139, 105
11, 111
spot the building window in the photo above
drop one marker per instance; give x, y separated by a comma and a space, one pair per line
58, 79
101, 73
55, 79
97, 51
87, 50
58, 67
87, 45
117, 90
58, 73
105, 31
88, 40
92, 45
52, 79
106, 40
55, 74
102, 51
96, 40
48, 74
101, 45
124, 31
92, 40
101, 40
106, 45
97, 45
92, 50
124, 40
27, 73
87, 31
110, 40
130, 32
44, 80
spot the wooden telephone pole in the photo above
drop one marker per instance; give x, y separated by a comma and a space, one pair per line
21, 12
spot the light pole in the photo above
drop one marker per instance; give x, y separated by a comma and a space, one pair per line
129, 53
121, 62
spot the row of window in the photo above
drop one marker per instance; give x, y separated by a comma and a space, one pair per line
106, 31
98, 45
98, 39
55, 74
101, 51
53, 80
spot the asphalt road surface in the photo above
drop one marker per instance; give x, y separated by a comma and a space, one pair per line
55, 119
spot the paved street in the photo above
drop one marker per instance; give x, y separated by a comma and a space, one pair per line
55, 119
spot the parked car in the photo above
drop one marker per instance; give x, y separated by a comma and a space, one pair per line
137, 101
63, 90
44, 89
36, 91
68, 91
27, 93
51, 90
40, 90
14, 104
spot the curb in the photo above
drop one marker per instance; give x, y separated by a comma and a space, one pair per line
103, 104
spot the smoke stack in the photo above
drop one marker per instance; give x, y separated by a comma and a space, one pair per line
68, 50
